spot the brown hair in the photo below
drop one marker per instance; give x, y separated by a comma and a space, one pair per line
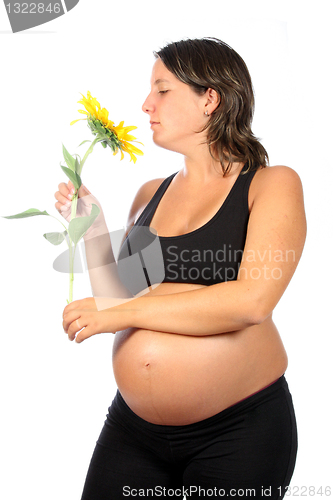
210, 63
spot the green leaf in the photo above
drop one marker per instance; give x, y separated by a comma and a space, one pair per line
55, 238
77, 166
31, 212
68, 158
83, 142
78, 226
73, 176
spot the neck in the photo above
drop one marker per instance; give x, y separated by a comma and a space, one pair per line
202, 168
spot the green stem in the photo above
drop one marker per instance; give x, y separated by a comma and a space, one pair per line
71, 275
71, 252
73, 215
74, 205
89, 150
71, 272
69, 244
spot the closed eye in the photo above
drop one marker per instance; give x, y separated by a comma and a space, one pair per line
163, 91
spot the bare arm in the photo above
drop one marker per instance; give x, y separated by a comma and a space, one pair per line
102, 266
275, 240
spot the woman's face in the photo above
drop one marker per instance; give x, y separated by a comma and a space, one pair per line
176, 112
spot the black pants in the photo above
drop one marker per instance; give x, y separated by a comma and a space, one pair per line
246, 451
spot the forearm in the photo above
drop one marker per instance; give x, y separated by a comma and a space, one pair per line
102, 266
210, 310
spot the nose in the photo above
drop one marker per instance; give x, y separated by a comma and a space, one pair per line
147, 106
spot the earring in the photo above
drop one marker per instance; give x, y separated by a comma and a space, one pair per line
206, 113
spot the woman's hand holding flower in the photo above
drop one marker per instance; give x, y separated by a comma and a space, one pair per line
84, 203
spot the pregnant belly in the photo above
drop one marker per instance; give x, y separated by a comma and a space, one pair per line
173, 379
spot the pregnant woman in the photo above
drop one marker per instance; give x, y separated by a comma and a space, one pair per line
203, 407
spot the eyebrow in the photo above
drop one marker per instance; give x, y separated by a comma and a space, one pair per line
161, 80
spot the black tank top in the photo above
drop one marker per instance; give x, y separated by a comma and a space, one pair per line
208, 255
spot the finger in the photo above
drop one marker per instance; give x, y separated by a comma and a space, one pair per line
83, 191
76, 325
73, 329
64, 209
82, 304
64, 189
84, 334
75, 304
69, 318
68, 191
63, 199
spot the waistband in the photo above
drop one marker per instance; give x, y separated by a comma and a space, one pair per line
244, 405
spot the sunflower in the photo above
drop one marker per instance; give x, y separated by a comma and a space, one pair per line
106, 133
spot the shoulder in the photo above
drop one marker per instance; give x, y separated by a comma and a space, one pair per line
142, 198
280, 174
276, 182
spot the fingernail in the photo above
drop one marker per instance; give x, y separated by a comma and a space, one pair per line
72, 190
68, 204
69, 196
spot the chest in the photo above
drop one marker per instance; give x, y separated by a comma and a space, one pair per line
184, 210
200, 236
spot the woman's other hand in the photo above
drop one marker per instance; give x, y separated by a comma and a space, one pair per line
87, 317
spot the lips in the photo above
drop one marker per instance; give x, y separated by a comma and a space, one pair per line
152, 123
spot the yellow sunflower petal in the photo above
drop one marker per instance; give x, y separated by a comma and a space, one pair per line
92, 99
91, 109
133, 149
103, 115
95, 103
74, 121
128, 138
91, 104
122, 132
128, 148
129, 129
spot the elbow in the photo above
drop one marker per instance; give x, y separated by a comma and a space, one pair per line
253, 306
258, 313
257, 319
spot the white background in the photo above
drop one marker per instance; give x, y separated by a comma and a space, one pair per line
55, 394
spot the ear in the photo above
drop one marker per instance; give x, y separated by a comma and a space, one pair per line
212, 101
